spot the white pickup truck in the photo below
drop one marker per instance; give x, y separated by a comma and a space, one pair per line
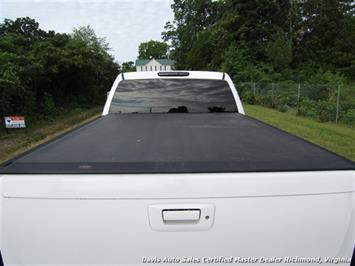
173, 172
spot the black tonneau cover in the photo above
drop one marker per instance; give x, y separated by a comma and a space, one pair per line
176, 143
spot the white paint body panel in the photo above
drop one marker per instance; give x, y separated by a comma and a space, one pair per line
177, 186
104, 219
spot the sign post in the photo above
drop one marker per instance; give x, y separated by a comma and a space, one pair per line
14, 122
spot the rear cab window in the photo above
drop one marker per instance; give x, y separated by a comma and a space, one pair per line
173, 96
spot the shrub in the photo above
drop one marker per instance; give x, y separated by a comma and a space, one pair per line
49, 109
308, 108
326, 111
282, 108
348, 117
248, 97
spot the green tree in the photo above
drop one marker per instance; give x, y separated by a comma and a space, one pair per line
88, 36
42, 72
287, 36
279, 50
190, 18
128, 66
26, 27
152, 49
328, 36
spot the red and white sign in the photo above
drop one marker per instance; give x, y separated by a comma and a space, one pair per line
15, 122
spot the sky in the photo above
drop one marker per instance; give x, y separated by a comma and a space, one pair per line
124, 23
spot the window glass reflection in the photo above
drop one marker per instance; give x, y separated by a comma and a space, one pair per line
173, 96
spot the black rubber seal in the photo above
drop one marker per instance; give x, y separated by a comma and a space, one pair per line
1, 261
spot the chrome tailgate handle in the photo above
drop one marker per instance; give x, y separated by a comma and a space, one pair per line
181, 217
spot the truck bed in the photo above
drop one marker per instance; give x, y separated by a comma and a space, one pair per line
176, 143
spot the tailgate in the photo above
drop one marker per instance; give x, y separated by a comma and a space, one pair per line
173, 218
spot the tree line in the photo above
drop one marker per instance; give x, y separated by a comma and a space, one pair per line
256, 39
263, 41
44, 72
259, 41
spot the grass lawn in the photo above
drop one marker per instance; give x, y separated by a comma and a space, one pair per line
17, 142
337, 138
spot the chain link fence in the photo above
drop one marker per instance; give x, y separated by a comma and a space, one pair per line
324, 103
